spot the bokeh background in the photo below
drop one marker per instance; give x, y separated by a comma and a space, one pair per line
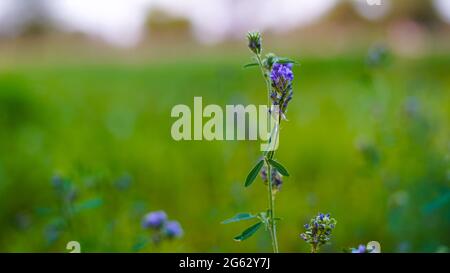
86, 90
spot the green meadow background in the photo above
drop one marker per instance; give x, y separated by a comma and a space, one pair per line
86, 151
86, 148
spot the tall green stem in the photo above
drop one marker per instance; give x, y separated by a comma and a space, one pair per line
314, 248
272, 226
266, 79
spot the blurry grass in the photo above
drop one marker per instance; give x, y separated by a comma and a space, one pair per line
370, 147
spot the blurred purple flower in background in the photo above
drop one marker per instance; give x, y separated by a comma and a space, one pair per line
363, 249
154, 220
161, 227
360, 249
173, 229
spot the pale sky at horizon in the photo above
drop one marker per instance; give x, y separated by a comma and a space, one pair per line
121, 22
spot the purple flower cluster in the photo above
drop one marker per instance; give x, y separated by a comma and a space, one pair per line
318, 231
282, 74
158, 221
281, 77
277, 178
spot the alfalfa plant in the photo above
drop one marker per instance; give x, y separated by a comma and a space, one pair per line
278, 76
318, 231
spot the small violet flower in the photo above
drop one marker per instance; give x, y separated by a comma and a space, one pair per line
154, 220
173, 229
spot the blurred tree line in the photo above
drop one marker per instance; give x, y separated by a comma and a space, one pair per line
34, 17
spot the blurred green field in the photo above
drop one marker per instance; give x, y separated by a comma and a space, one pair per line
370, 146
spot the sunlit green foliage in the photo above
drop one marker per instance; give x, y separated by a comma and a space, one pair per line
370, 146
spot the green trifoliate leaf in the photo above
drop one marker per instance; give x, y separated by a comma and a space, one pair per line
248, 232
269, 60
254, 173
279, 167
239, 217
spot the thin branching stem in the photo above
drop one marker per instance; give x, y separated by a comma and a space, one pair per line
266, 79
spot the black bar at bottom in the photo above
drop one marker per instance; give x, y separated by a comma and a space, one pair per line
227, 262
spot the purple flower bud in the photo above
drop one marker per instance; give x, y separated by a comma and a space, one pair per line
154, 220
254, 42
264, 174
276, 179
306, 226
173, 229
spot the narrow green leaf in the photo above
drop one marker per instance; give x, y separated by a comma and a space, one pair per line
248, 232
253, 173
268, 154
250, 65
239, 217
286, 61
279, 167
